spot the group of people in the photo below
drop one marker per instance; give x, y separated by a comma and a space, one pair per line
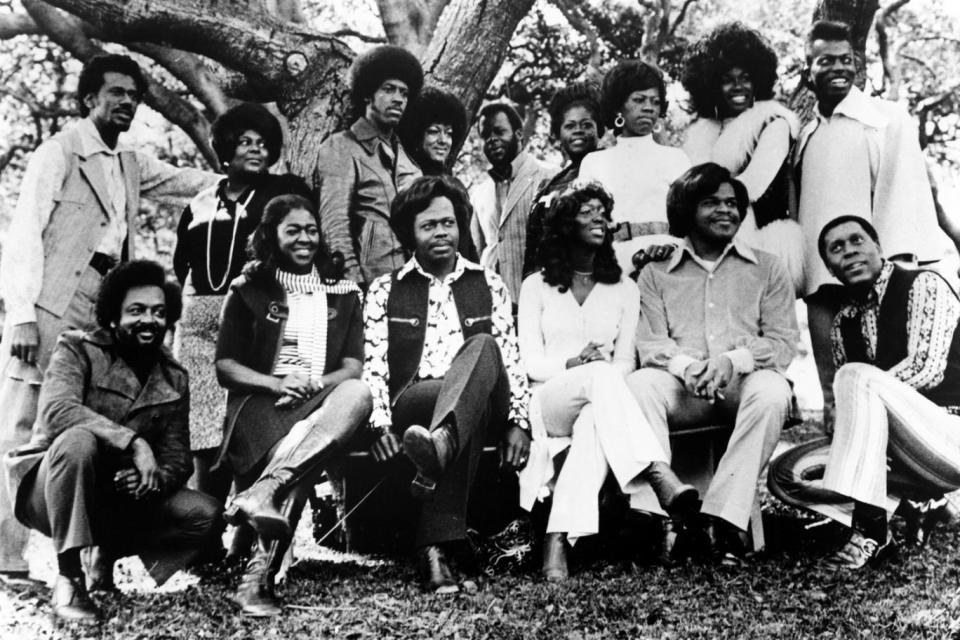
382, 307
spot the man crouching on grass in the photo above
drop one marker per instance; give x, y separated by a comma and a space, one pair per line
113, 431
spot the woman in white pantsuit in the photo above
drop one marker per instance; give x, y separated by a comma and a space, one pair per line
577, 321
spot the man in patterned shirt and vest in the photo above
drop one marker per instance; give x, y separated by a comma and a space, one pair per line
74, 219
441, 352
897, 387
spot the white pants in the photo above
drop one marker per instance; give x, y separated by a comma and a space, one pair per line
592, 404
879, 417
757, 403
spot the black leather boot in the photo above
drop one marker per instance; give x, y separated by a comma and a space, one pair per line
677, 498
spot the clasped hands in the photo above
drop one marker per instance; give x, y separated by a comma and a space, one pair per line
295, 389
143, 479
590, 353
514, 450
707, 378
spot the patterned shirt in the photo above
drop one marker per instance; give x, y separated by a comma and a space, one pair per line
932, 315
442, 340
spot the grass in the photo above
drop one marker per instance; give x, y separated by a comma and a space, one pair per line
782, 593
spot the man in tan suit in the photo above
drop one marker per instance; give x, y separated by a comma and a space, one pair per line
503, 200
77, 206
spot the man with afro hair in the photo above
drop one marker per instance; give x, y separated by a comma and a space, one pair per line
360, 170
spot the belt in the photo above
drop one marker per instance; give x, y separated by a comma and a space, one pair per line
102, 263
623, 231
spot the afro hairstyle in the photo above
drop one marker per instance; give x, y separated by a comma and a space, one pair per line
386, 62
729, 45
126, 276
228, 128
432, 106
577, 94
91, 77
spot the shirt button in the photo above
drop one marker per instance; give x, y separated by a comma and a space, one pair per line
710, 277
76, 273
710, 337
710, 305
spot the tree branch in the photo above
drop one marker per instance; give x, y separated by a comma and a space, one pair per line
572, 10
68, 32
363, 37
681, 15
410, 23
17, 24
189, 69
891, 70
657, 30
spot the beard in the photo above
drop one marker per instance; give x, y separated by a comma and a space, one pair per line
141, 357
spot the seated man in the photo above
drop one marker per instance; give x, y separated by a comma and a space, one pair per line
441, 352
717, 329
113, 420
897, 387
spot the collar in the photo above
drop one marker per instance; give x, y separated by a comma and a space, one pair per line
462, 265
634, 142
91, 143
860, 107
735, 246
368, 136
514, 169
104, 338
874, 296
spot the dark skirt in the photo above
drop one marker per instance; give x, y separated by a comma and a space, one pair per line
258, 425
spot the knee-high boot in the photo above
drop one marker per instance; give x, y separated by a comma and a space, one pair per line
300, 453
256, 594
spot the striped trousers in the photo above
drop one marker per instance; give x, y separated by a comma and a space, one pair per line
878, 417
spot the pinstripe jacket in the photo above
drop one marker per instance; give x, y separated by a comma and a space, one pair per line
500, 235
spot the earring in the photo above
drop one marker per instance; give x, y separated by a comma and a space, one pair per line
619, 121
657, 128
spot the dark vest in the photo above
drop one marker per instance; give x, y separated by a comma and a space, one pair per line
892, 339
407, 308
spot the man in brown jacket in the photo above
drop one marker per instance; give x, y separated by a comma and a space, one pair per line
113, 432
360, 170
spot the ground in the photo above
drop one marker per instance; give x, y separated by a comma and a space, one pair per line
782, 593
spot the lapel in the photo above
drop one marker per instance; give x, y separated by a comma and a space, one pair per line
802, 140
522, 171
121, 379
131, 182
98, 182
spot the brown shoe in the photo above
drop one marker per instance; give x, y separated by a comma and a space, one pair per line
555, 558
677, 498
435, 574
258, 507
71, 602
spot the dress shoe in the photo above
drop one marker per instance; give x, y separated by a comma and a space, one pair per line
71, 602
435, 574
430, 452
859, 551
725, 544
255, 595
555, 558
677, 498
257, 506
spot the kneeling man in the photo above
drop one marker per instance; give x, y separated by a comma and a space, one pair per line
897, 387
113, 419
442, 363
717, 329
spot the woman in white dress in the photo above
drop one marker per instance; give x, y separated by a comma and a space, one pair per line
730, 74
577, 321
637, 171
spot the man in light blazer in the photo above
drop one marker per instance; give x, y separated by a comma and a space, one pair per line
502, 201
75, 219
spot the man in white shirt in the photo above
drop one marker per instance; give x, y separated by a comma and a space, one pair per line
858, 156
78, 201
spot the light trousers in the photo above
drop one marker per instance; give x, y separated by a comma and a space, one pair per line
757, 404
879, 417
592, 405
19, 393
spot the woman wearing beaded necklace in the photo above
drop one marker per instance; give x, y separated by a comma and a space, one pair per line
211, 241
577, 322
289, 354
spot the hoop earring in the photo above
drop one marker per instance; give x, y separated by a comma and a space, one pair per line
618, 122
657, 128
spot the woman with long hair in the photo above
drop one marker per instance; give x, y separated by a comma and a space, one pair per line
577, 321
730, 75
211, 241
638, 170
289, 354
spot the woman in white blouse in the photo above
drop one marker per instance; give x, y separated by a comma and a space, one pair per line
577, 321
637, 171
